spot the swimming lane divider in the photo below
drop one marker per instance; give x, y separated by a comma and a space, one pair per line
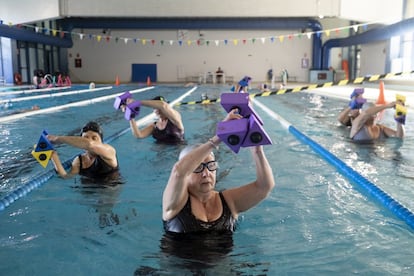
43, 177
382, 197
34, 90
80, 103
52, 95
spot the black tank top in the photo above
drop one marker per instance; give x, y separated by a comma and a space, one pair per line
171, 134
186, 222
98, 169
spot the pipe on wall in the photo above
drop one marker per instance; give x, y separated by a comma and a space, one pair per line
69, 24
31, 36
378, 34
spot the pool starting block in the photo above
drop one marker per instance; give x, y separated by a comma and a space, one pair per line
244, 132
43, 150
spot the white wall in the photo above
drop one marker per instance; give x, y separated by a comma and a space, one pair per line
373, 58
382, 11
103, 61
202, 8
23, 11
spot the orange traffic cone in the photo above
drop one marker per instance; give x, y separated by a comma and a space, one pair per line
117, 81
381, 98
148, 81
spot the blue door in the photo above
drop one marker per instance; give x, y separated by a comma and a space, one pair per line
141, 72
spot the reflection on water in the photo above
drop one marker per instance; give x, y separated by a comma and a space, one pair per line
192, 253
102, 195
202, 249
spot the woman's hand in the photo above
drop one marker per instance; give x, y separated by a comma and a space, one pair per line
232, 115
53, 138
128, 101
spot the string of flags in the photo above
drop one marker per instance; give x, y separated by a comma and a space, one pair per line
190, 42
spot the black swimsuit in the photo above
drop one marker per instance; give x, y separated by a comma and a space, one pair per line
186, 222
98, 169
171, 134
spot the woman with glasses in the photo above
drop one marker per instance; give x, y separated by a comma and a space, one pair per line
190, 202
99, 160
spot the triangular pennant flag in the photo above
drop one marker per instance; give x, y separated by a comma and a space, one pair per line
309, 35
217, 42
98, 38
281, 38
125, 40
328, 32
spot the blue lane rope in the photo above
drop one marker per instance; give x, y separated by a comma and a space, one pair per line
382, 197
42, 178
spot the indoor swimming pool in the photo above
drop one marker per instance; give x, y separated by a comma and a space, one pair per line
316, 221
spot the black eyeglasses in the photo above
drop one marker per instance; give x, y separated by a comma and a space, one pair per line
210, 165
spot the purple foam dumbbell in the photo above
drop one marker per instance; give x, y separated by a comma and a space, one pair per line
233, 132
132, 110
256, 135
121, 100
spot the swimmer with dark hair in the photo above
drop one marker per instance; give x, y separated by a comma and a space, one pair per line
168, 129
99, 159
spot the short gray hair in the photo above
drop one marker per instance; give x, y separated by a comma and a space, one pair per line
188, 149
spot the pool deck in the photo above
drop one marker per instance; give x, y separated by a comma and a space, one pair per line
371, 91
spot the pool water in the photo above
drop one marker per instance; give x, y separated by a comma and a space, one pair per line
315, 221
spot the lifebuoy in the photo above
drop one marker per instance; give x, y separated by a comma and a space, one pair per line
17, 78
